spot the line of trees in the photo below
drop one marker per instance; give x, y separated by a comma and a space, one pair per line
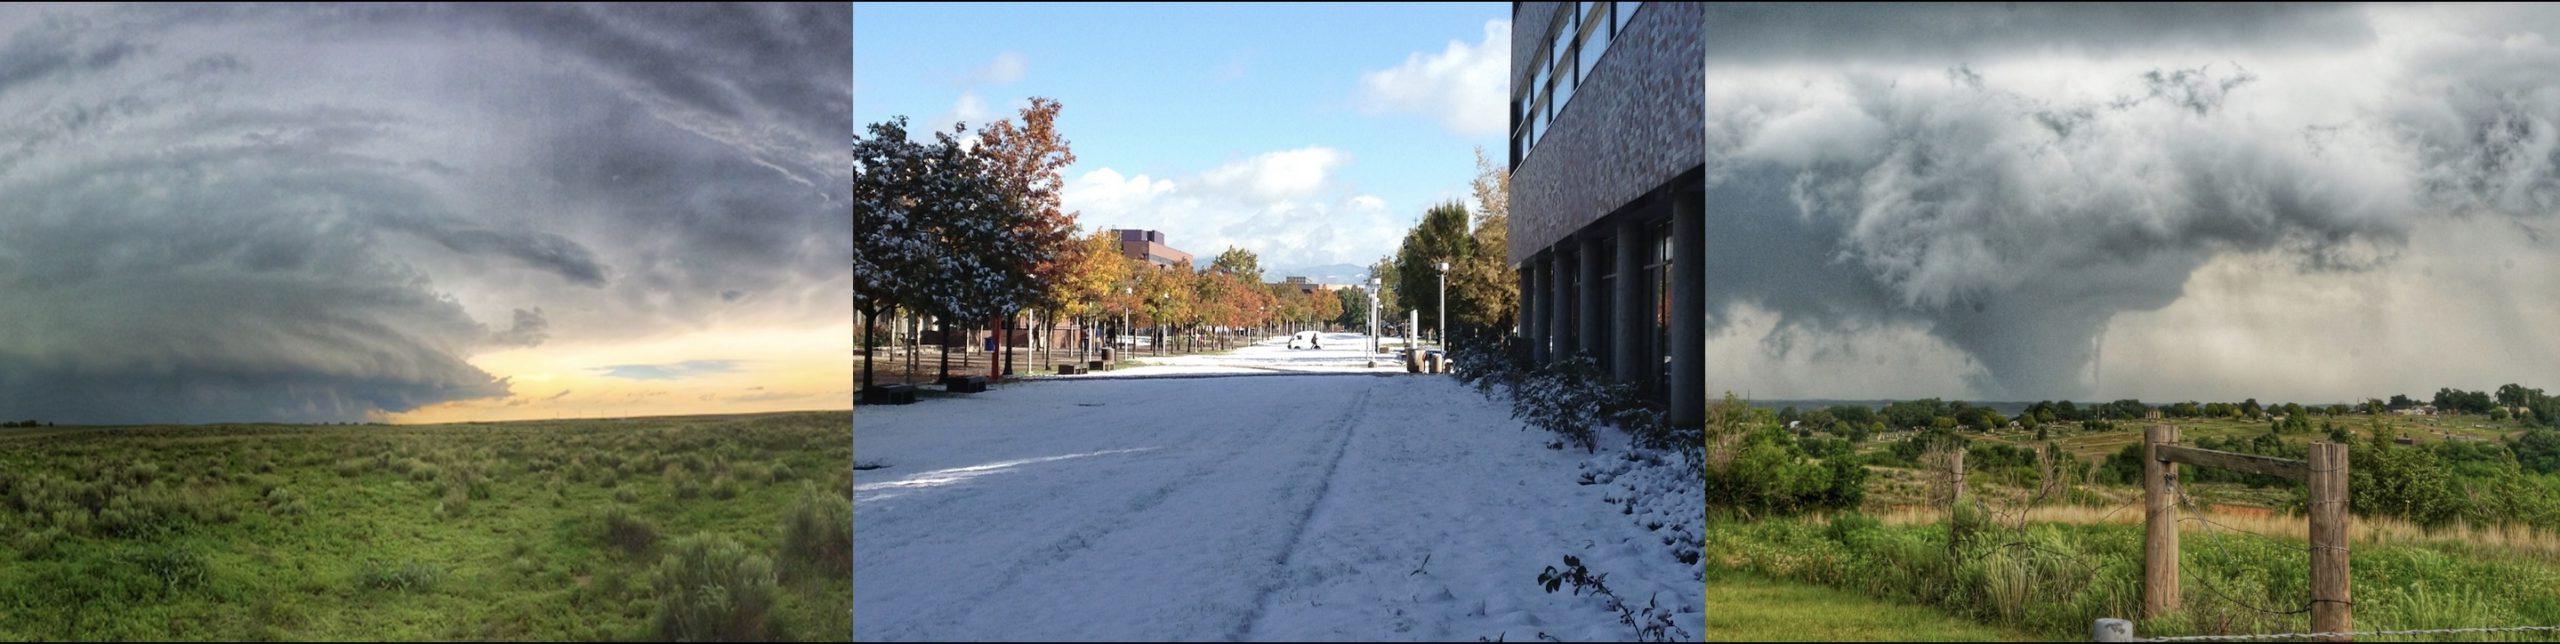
1484, 294
968, 230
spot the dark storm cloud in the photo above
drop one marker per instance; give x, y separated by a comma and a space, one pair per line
274, 212
2013, 221
1846, 32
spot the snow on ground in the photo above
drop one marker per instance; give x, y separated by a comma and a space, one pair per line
1342, 353
1288, 507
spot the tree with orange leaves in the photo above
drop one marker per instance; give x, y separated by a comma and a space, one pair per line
1031, 157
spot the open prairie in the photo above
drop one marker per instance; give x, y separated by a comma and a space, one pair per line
641, 528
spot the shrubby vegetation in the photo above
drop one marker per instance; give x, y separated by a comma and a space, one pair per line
536, 530
2054, 579
710, 588
1570, 397
1756, 469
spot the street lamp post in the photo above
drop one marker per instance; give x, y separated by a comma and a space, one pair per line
1373, 322
1444, 306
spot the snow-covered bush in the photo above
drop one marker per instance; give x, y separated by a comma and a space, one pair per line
1653, 623
1572, 397
1568, 397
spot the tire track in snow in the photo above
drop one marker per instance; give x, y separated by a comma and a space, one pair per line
1279, 574
1085, 535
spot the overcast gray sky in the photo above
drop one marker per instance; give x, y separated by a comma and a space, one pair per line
279, 212
2211, 202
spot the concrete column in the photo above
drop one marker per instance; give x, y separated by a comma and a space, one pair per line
1528, 286
1588, 316
1559, 299
1633, 320
1539, 302
1688, 308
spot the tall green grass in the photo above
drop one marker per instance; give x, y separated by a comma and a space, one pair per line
526, 530
2053, 580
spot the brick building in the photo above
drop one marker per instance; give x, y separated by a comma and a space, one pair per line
1608, 190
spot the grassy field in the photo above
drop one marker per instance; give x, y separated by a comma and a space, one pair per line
2046, 558
1742, 608
2052, 579
650, 528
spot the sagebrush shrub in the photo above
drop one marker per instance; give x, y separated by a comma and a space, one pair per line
817, 534
628, 532
710, 588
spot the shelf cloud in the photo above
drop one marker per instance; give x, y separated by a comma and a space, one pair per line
301, 213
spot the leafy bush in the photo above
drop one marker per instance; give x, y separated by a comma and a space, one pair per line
1565, 397
1755, 467
710, 588
818, 533
621, 529
1652, 624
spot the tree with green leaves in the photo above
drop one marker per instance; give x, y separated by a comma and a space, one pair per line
1484, 294
1386, 271
1441, 236
1238, 262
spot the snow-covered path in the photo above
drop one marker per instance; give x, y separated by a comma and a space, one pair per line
1284, 507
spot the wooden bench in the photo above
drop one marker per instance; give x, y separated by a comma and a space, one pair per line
1097, 365
965, 384
889, 395
1070, 369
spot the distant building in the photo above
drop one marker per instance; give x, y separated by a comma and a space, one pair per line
1149, 245
1608, 190
1304, 285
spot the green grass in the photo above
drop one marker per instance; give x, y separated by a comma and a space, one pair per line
524, 530
2052, 580
1743, 608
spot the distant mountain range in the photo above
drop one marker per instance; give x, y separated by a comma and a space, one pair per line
1321, 273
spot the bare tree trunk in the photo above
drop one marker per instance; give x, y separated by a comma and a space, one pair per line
870, 319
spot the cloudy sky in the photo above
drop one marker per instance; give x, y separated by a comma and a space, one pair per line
2006, 202
1311, 134
421, 213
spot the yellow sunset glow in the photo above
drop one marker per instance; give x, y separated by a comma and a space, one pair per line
767, 370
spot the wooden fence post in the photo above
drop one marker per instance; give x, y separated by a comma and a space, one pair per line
2160, 524
1958, 532
1955, 478
2331, 611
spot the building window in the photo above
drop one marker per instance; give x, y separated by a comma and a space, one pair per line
1577, 39
1596, 42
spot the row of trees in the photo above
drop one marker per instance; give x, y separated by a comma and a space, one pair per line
1484, 293
2517, 401
968, 229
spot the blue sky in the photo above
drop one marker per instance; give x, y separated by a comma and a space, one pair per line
1311, 134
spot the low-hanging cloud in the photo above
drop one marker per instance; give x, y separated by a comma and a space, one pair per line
2012, 197
250, 212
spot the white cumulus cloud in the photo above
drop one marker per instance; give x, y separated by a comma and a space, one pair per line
1462, 86
1287, 206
